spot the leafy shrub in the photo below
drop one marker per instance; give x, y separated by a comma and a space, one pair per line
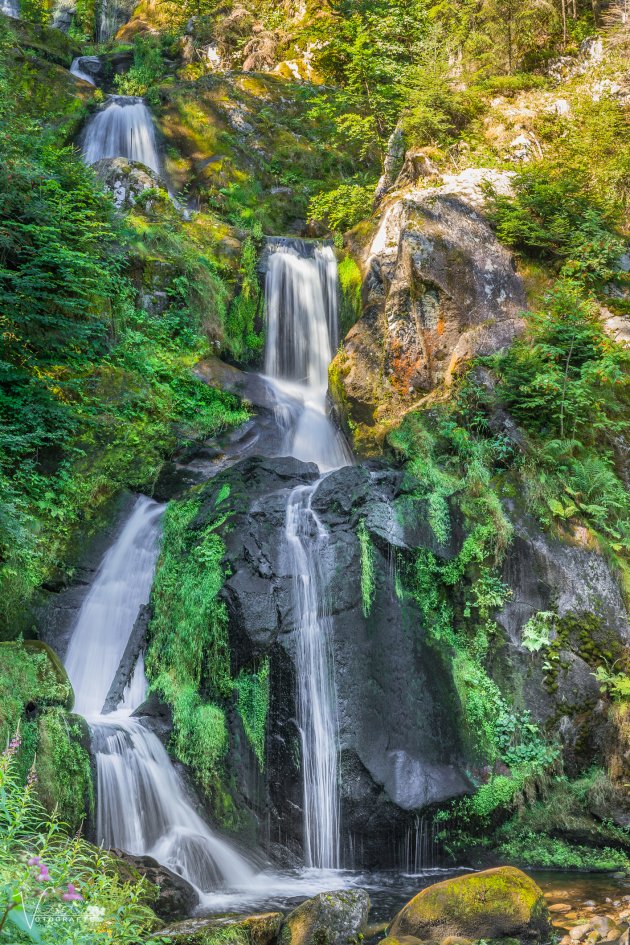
146, 71
552, 215
56, 889
344, 206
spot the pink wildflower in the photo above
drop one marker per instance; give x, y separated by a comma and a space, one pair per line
72, 895
35, 861
44, 875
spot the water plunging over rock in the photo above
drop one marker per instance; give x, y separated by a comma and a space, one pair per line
142, 807
112, 15
301, 300
123, 128
10, 8
317, 704
87, 68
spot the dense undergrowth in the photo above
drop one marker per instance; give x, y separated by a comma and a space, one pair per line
56, 888
94, 390
189, 659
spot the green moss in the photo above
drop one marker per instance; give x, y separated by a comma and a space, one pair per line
63, 767
491, 904
188, 653
350, 282
252, 690
368, 587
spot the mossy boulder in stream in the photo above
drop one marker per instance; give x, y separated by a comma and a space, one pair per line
495, 904
225, 930
333, 918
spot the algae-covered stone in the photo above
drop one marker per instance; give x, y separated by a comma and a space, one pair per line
333, 918
259, 929
496, 903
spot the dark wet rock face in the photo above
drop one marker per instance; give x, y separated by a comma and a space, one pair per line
397, 709
576, 583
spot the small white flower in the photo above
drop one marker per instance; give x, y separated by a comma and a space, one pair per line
94, 914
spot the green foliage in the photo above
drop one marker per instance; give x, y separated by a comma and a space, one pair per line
94, 391
539, 851
368, 587
244, 325
567, 383
146, 71
57, 889
615, 684
350, 282
536, 634
252, 691
342, 207
64, 775
188, 652
553, 215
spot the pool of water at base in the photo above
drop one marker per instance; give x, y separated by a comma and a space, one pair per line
390, 890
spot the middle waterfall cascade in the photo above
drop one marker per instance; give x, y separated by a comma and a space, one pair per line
301, 296
301, 303
142, 806
124, 129
317, 710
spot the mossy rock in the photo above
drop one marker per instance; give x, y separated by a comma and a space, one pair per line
259, 929
495, 904
57, 667
333, 918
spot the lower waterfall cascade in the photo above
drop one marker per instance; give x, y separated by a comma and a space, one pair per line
141, 803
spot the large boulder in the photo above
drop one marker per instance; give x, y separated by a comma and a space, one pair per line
331, 918
241, 930
176, 897
495, 904
438, 290
126, 180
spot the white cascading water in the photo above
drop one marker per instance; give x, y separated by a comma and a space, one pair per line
123, 128
10, 8
142, 806
77, 69
317, 705
301, 299
301, 305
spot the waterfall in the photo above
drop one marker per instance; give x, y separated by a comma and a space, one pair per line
10, 8
317, 707
301, 303
142, 806
78, 68
121, 586
112, 15
123, 128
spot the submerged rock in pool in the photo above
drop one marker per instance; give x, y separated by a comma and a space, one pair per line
249, 930
497, 903
333, 918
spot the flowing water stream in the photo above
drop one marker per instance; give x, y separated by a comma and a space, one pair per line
142, 806
301, 302
10, 8
122, 128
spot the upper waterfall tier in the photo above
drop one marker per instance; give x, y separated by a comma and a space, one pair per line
10, 8
301, 291
123, 128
